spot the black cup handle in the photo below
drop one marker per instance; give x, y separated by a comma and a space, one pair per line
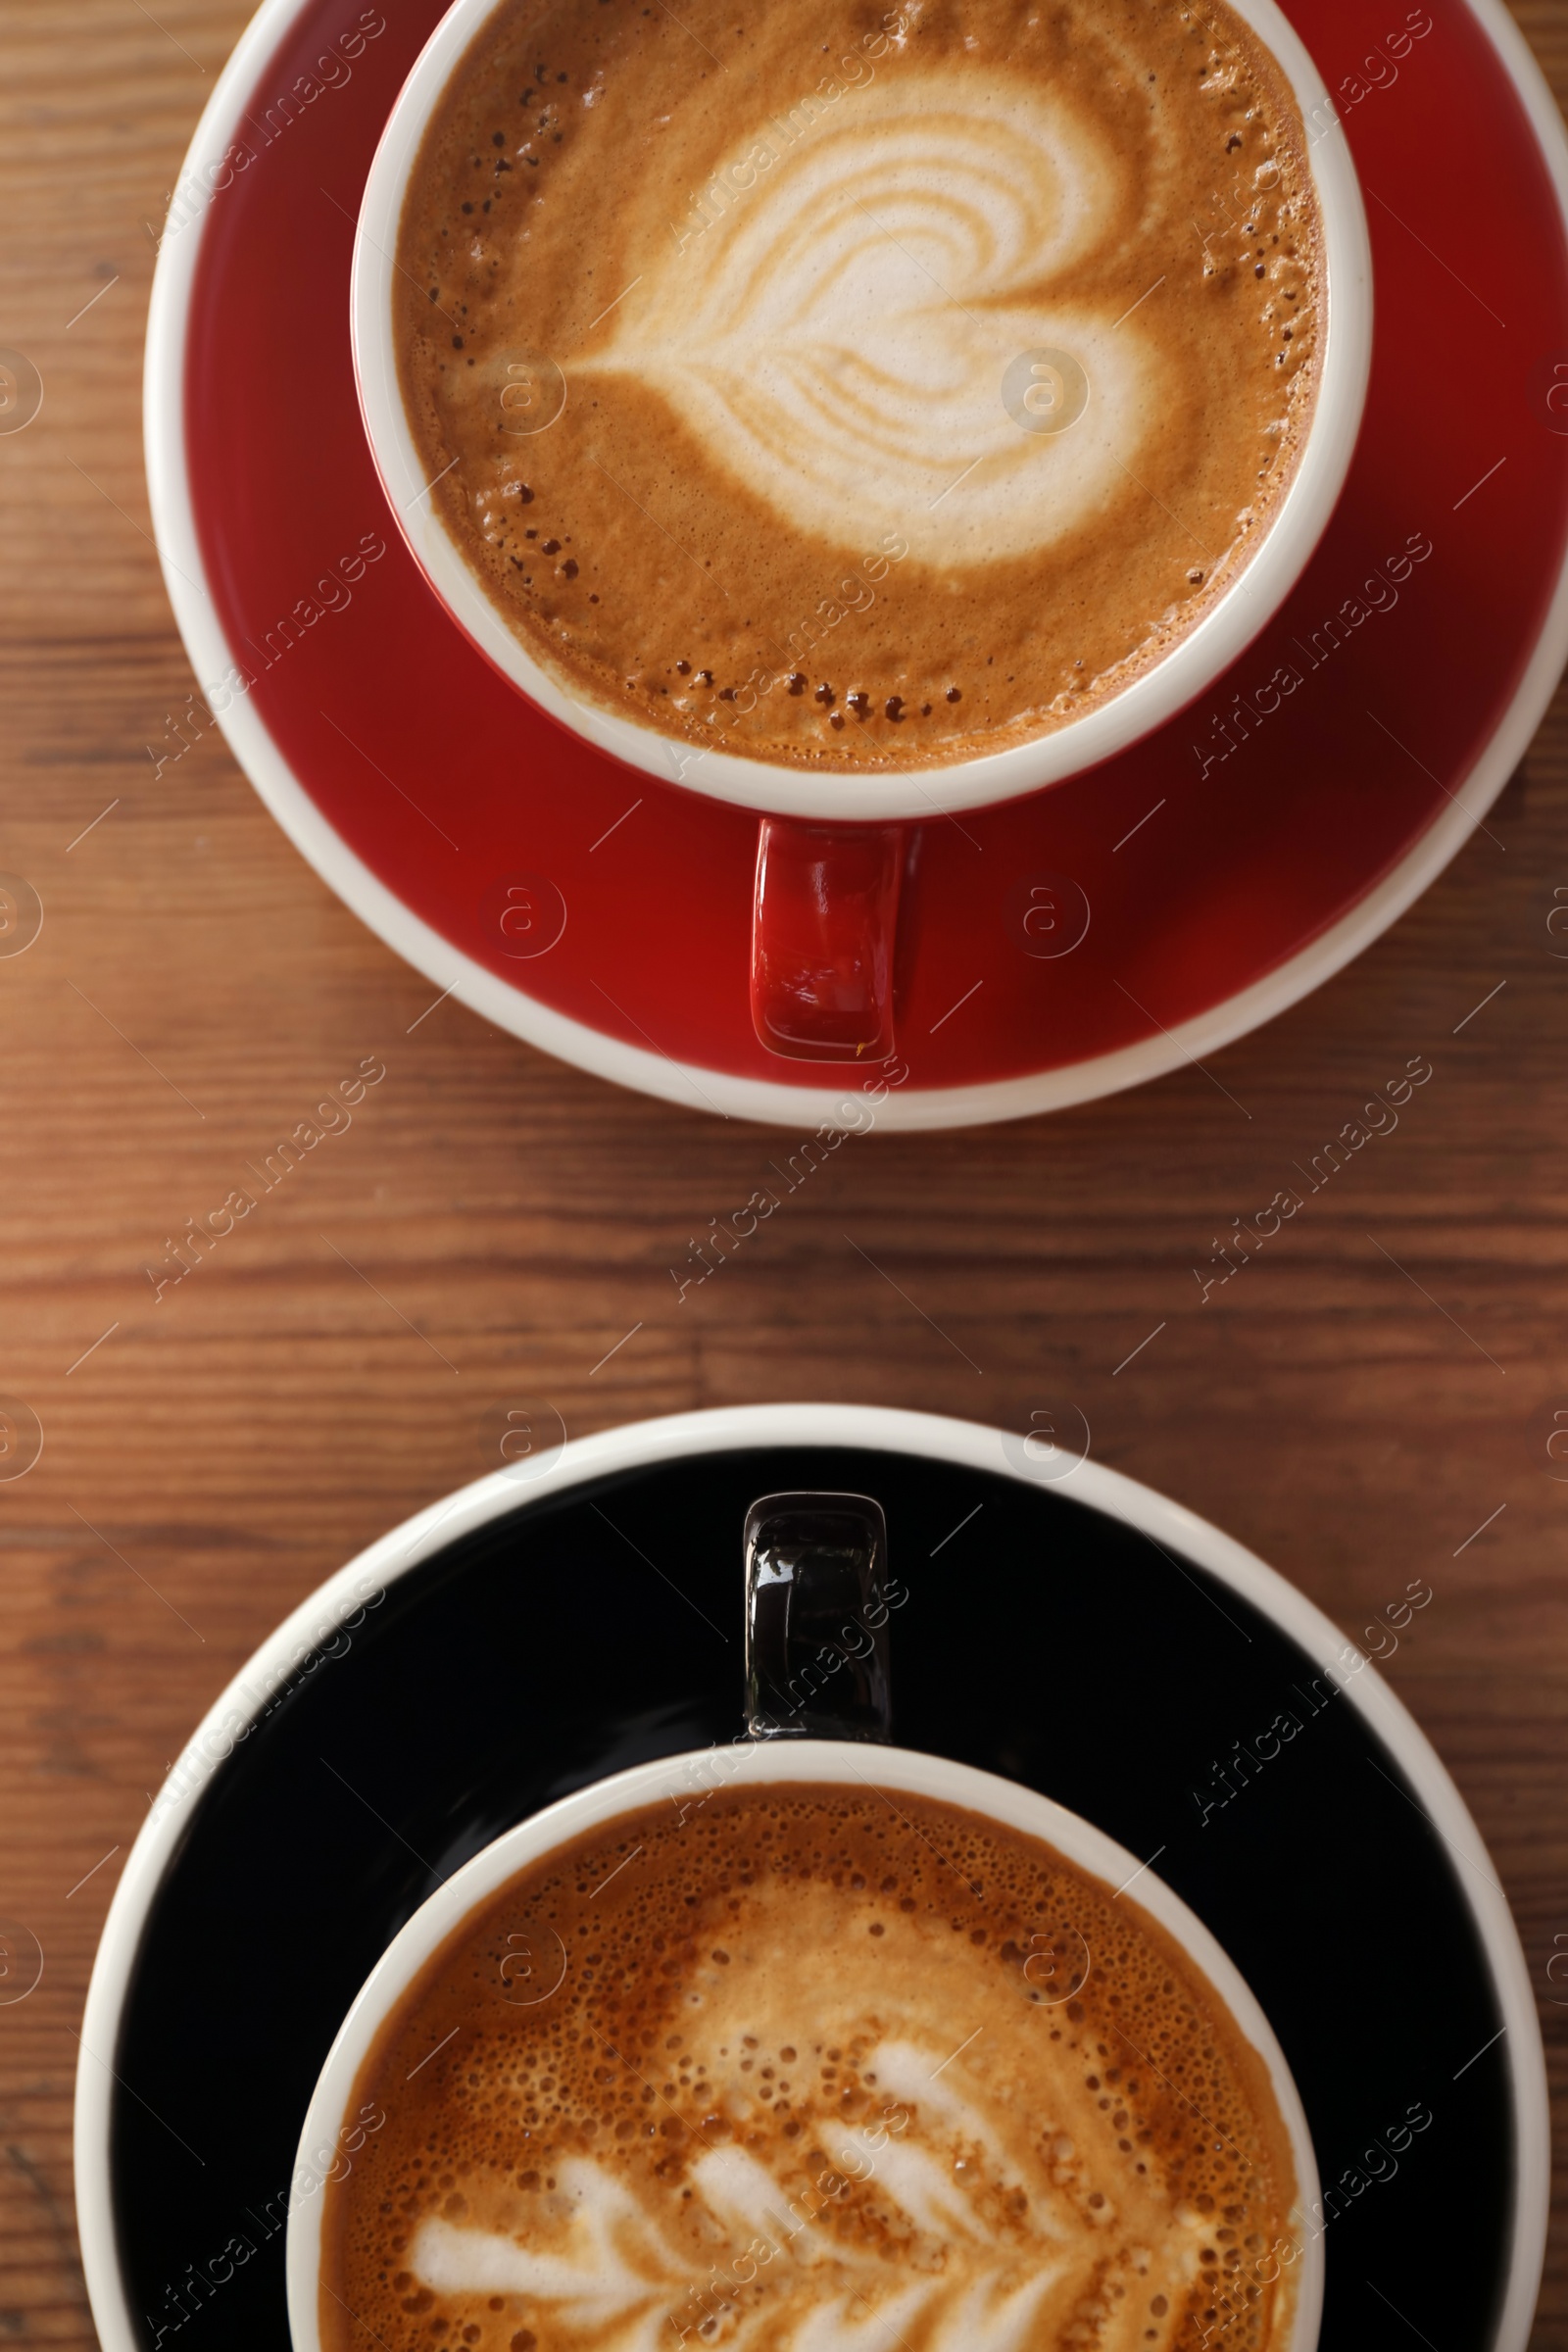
816, 1619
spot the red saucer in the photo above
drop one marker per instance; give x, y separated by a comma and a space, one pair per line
1228, 862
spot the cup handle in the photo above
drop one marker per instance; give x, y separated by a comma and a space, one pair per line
823, 924
816, 1619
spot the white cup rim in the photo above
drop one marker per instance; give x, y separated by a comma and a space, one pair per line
833, 1761
1244, 608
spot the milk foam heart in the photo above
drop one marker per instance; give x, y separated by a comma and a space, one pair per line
820, 2071
865, 387
839, 339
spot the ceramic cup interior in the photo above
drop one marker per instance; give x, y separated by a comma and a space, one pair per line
776, 1761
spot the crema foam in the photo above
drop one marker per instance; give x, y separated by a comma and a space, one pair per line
812, 2070
865, 387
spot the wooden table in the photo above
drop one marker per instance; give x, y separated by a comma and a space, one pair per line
195, 987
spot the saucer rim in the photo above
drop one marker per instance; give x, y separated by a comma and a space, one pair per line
694, 1085
968, 1445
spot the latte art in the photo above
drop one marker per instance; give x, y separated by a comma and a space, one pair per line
840, 340
986, 2265
821, 2074
859, 389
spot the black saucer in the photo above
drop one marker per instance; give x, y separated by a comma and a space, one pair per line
595, 1627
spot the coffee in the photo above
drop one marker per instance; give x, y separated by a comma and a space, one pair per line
857, 387
801, 2065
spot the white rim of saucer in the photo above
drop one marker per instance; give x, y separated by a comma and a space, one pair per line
911, 1770
735, 1429
1286, 542
693, 1085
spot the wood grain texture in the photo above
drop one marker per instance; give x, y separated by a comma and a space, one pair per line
195, 987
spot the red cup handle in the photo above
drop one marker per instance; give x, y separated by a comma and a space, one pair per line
823, 926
